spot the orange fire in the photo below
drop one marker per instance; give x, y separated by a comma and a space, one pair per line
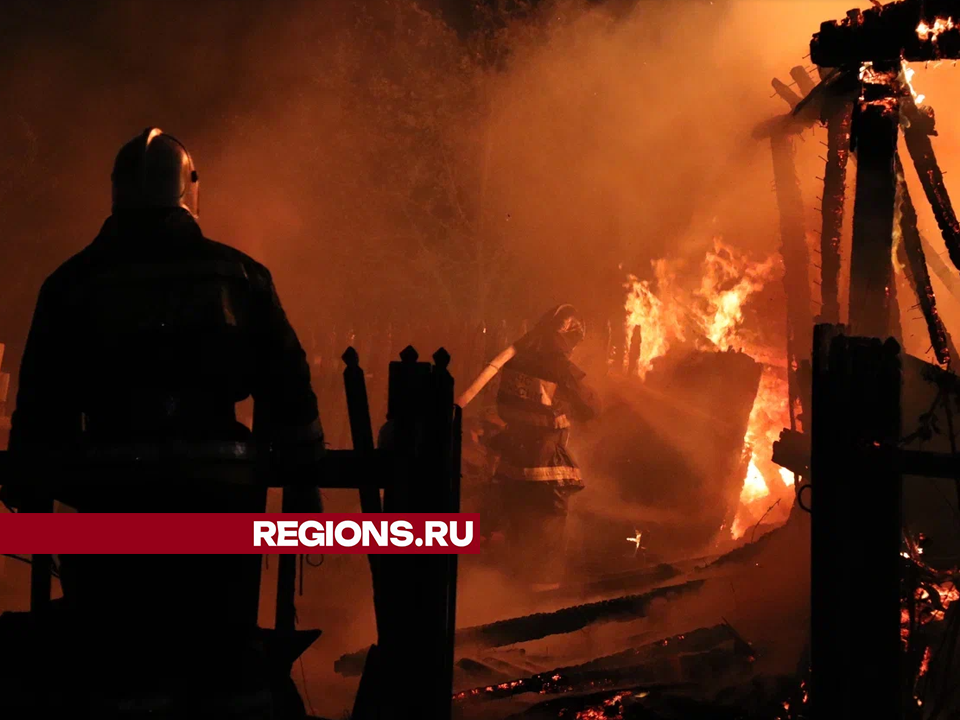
656, 314
932, 32
907, 77
713, 312
769, 416
728, 281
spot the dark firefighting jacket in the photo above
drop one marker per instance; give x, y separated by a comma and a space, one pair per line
152, 334
541, 393
148, 337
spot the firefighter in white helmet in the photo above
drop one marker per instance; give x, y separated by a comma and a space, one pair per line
542, 393
149, 337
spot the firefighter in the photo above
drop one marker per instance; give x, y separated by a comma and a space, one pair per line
541, 394
149, 337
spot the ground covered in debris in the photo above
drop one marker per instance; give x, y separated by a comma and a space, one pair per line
721, 637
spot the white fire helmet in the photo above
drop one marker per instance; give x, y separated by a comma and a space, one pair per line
155, 170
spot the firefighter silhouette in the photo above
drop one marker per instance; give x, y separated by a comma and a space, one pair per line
148, 338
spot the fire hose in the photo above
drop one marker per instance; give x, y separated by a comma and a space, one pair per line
496, 365
486, 375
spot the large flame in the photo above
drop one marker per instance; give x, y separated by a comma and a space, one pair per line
656, 315
665, 314
728, 281
770, 414
713, 314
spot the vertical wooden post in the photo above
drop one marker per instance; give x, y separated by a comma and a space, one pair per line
793, 250
876, 129
444, 497
856, 407
409, 673
361, 430
636, 344
839, 116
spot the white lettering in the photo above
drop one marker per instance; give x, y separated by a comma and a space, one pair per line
288, 533
467, 534
370, 531
263, 532
348, 525
435, 530
311, 539
402, 533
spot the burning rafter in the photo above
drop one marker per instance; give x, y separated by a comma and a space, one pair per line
867, 72
911, 246
915, 30
839, 118
875, 140
918, 128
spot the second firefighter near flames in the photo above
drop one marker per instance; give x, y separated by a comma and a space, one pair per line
541, 394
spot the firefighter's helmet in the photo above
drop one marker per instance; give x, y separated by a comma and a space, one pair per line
561, 326
155, 170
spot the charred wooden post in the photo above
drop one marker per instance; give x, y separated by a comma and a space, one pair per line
793, 249
918, 129
412, 665
443, 487
636, 343
919, 275
793, 243
876, 127
361, 429
856, 428
839, 116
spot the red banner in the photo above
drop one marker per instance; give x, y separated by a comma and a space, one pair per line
238, 533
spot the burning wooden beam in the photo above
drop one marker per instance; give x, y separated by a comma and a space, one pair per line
793, 249
839, 118
919, 275
921, 125
876, 128
916, 30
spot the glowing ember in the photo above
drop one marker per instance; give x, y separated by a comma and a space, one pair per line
932, 32
925, 663
611, 709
